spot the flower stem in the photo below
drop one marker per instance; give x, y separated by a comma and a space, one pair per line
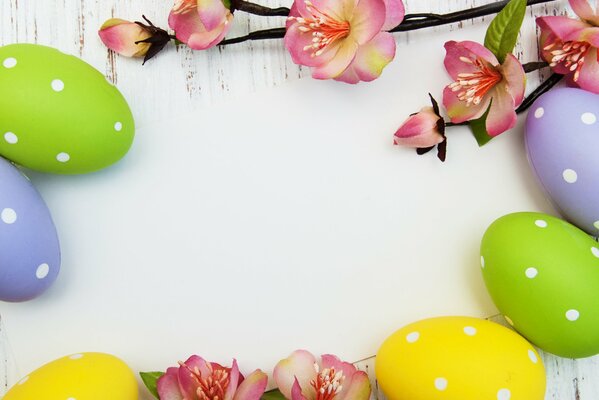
257, 9
411, 22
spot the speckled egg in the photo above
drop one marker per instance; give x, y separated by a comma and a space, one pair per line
562, 137
543, 275
29, 248
85, 376
58, 114
459, 358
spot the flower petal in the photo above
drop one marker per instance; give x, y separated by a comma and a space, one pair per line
212, 13
343, 57
514, 74
296, 40
233, 381
120, 35
198, 362
253, 387
456, 51
168, 385
298, 366
583, 9
589, 74
206, 40
419, 130
502, 115
458, 111
331, 361
185, 24
358, 389
371, 58
296, 392
367, 20
564, 28
395, 14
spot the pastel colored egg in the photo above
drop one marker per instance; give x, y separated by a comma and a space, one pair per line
458, 358
543, 275
85, 376
58, 114
562, 136
29, 248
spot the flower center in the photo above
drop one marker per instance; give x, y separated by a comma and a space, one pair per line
324, 28
183, 6
571, 54
328, 383
212, 387
473, 86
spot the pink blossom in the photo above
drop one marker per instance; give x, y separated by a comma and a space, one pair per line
345, 40
121, 36
301, 377
200, 24
570, 45
197, 379
481, 84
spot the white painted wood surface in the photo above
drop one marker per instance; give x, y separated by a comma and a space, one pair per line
180, 81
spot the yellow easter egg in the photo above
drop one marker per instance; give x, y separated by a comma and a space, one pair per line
85, 376
459, 358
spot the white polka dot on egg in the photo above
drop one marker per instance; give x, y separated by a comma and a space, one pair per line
57, 85
572, 315
118, 126
8, 216
76, 356
570, 176
532, 356
63, 157
482, 261
441, 384
504, 394
588, 118
71, 398
539, 112
11, 138
413, 337
595, 251
541, 223
470, 330
42, 271
531, 273
9, 62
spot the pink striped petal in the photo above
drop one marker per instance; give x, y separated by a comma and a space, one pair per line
589, 74
368, 19
371, 58
212, 13
358, 389
335, 67
457, 51
168, 385
299, 366
457, 109
514, 74
395, 14
252, 387
502, 115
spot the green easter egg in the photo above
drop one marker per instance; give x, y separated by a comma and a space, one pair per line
58, 114
543, 275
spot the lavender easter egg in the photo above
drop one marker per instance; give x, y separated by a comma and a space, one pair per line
29, 248
562, 138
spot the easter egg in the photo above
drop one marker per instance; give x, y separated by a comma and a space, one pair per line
459, 358
85, 376
29, 248
543, 275
562, 136
58, 114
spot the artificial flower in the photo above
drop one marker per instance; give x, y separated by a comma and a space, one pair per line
482, 84
197, 379
302, 377
124, 37
570, 45
200, 24
345, 40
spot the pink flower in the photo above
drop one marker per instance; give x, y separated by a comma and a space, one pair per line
121, 36
197, 379
570, 45
479, 82
200, 24
302, 377
345, 40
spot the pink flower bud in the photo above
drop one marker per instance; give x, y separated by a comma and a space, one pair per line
121, 36
420, 130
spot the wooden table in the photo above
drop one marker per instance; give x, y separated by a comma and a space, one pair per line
180, 81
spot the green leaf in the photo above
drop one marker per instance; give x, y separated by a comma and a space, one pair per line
227, 4
479, 129
150, 379
502, 34
273, 395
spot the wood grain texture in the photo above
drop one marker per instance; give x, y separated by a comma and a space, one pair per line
180, 80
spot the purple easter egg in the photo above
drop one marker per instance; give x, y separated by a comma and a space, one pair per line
29, 248
562, 138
